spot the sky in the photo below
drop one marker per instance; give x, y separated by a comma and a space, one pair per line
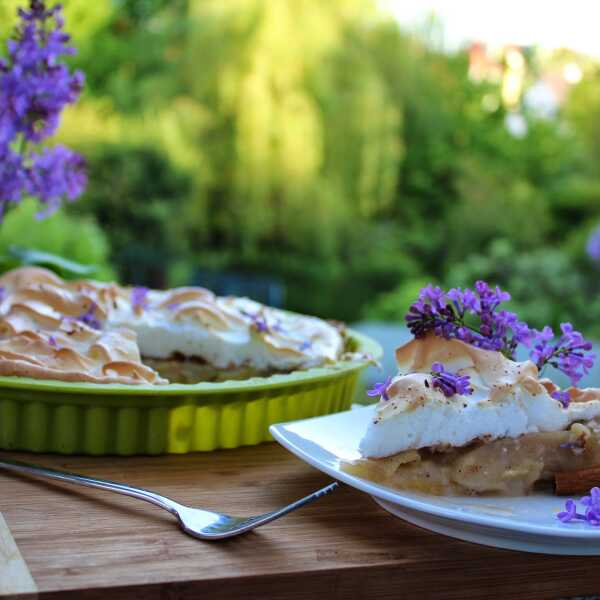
551, 24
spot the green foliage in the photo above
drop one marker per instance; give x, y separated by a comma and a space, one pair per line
545, 283
490, 206
137, 198
27, 256
124, 51
546, 286
78, 238
318, 143
392, 306
583, 110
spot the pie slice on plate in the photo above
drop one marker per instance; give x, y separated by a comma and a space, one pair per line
506, 436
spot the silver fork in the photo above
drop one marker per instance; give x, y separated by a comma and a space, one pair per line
197, 522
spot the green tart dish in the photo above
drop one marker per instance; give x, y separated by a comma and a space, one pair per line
104, 419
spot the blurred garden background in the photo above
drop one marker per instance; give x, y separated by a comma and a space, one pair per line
325, 157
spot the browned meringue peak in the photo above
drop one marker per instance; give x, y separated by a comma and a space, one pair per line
206, 311
172, 299
575, 394
489, 368
80, 354
41, 292
24, 277
290, 334
103, 294
43, 333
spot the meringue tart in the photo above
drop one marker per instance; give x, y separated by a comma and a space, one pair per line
507, 437
106, 333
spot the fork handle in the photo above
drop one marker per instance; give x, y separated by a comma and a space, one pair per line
102, 484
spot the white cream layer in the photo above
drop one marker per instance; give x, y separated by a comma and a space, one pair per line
289, 342
508, 401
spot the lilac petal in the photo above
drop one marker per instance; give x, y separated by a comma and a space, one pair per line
139, 297
380, 389
569, 512
563, 397
448, 383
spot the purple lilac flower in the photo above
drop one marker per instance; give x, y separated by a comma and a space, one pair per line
380, 389
89, 317
542, 349
446, 314
570, 513
139, 297
259, 322
52, 341
57, 173
35, 86
173, 305
592, 502
305, 345
450, 383
431, 313
570, 445
13, 175
563, 397
593, 245
592, 510
570, 354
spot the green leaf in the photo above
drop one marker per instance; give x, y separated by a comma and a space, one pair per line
27, 256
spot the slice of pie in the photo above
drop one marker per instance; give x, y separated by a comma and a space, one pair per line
105, 333
506, 437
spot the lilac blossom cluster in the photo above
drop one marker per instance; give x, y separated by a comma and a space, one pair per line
35, 86
450, 384
591, 514
570, 354
474, 317
447, 313
593, 245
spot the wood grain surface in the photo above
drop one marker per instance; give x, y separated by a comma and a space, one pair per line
89, 544
15, 578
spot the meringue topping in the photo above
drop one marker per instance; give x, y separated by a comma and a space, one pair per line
93, 331
509, 400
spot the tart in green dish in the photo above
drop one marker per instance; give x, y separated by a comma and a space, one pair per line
88, 367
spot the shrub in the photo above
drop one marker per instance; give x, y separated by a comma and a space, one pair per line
77, 237
138, 197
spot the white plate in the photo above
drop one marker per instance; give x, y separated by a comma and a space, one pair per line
526, 523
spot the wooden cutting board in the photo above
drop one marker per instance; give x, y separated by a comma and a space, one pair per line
15, 578
83, 543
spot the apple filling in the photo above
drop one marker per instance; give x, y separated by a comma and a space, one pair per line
508, 466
